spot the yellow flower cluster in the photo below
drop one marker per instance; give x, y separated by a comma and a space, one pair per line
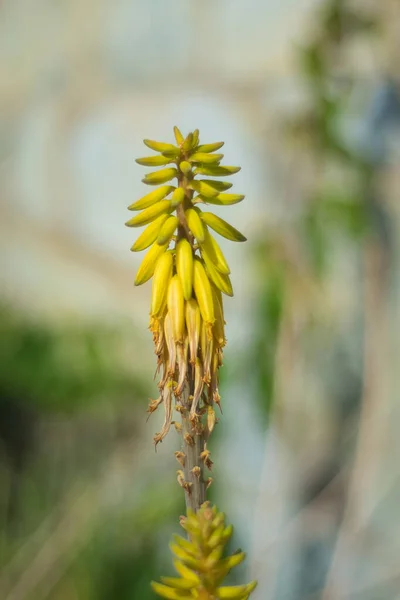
200, 563
189, 270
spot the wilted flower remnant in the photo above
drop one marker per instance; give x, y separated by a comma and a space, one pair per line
189, 271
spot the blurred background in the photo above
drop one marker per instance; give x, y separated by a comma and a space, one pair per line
306, 96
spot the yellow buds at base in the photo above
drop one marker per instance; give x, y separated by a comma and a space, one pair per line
199, 561
166, 592
235, 592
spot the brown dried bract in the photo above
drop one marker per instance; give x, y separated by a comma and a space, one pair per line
180, 457
188, 439
196, 472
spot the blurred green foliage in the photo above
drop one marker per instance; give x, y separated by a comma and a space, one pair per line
67, 400
70, 402
65, 369
338, 206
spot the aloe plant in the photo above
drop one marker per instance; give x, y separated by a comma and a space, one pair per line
190, 274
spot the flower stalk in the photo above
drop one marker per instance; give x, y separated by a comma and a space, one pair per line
190, 274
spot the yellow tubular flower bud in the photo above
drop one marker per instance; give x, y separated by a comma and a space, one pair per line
176, 308
162, 276
166, 592
222, 227
219, 325
235, 592
232, 561
195, 224
203, 188
178, 136
185, 572
152, 197
184, 266
185, 544
187, 144
185, 167
210, 147
203, 158
214, 557
184, 556
214, 252
167, 230
161, 146
221, 186
203, 292
177, 197
161, 176
153, 161
180, 584
149, 214
216, 171
149, 262
149, 235
193, 326
215, 538
222, 282
221, 199
195, 139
